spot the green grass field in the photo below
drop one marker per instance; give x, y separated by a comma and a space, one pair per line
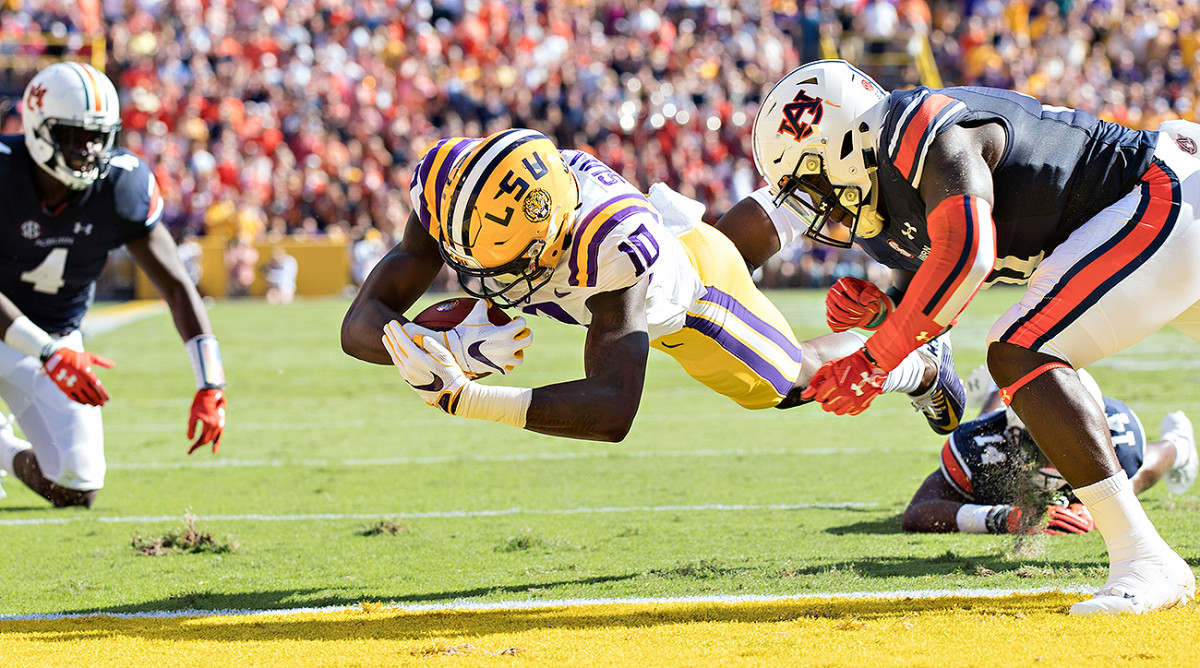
703, 498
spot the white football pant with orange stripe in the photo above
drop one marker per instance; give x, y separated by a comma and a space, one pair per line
1124, 274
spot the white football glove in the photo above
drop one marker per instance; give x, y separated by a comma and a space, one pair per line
433, 374
480, 347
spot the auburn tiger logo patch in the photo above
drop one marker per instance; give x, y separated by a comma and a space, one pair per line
801, 115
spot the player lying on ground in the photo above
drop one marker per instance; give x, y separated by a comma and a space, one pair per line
560, 235
994, 479
959, 188
73, 197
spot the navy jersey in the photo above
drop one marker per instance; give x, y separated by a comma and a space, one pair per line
1060, 168
51, 260
987, 468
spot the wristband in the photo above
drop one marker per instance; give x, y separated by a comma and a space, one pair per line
972, 518
506, 405
26, 337
205, 356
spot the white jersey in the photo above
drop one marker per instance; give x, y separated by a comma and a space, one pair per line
618, 240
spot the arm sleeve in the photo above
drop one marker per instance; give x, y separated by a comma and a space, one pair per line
962, 239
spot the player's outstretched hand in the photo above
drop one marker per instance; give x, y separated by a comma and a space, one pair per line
425, 365
853, 302
208, 411
71, 371
478, 346
1075, 518
846, 385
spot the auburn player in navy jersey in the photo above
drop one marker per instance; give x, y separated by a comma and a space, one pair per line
959, 188
72, 197
993, 478
558, 234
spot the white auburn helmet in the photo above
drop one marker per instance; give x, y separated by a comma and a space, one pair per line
71, 115
814, 144
1045, 476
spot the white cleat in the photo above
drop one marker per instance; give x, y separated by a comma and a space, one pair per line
978, 387
1177, 428
1154, 583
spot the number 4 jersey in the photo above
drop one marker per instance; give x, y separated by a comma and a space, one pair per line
51, 259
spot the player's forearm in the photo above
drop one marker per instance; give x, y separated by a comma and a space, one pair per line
931, 516
963, 241
362, 328
584, 409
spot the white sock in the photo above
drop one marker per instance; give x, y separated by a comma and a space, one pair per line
1127, 532
908, 376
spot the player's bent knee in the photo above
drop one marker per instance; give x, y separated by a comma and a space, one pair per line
1007, 362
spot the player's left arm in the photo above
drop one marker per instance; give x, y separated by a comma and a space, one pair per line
958, 191
158, 256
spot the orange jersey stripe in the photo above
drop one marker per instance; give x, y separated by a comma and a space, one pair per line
955, 471
1086, 284
914, 133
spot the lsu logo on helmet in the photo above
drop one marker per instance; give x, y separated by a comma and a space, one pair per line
498, 254
537, 206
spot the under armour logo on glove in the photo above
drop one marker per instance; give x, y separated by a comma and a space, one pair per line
71, 371
831, 385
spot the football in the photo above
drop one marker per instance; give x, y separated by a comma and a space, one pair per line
447, 314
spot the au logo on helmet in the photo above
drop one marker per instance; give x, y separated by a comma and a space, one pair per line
793, 122
36, 95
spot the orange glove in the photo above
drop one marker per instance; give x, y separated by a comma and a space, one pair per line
846, 385
208, 410
1075, 518
853, 302
71, 371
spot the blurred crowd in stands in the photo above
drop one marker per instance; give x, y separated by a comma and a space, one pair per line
266, 118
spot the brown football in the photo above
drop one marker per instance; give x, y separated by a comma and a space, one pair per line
450, 313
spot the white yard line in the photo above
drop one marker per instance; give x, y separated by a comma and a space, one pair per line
433, 514
498, 458
572, 602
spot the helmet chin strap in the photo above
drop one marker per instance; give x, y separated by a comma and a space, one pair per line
870, 223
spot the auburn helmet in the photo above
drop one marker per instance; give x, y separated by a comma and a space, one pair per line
71, 117
814, 144
506, 215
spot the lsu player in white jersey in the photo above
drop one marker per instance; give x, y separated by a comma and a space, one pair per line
558, 234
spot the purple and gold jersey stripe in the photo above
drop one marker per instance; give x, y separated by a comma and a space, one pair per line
433, 171
593, 228
770, 353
